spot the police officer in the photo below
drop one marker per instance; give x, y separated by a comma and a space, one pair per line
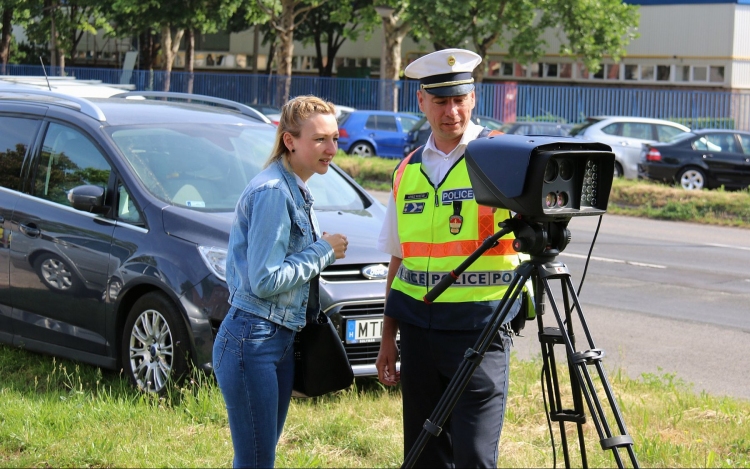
432, 225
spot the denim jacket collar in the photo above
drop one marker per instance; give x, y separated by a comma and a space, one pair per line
291, 181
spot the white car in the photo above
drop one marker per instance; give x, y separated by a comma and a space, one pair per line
65, 85
626, 136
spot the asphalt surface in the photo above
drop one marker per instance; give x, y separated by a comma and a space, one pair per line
631, 321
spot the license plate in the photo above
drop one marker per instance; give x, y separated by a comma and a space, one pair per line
363, 330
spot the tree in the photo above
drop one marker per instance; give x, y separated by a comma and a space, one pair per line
63, 24
333, 23
11, 12
285, 16
587, 29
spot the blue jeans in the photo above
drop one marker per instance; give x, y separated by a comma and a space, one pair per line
253, 361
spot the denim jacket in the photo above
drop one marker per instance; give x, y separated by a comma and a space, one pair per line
272, 256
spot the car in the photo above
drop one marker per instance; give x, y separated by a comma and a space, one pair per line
701, 159
626, 136
272, 112
421, 131
536, 128
375, 133
116, 215
343, 111
65, 85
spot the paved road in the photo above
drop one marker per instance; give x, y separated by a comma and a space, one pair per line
663, 297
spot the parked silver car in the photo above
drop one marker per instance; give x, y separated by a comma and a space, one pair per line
626, 136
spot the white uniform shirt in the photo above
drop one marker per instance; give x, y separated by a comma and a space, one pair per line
435, 165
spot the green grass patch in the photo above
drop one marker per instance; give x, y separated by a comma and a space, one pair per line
56, 413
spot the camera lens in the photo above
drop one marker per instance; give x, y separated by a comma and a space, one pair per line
550, 172
562, 199
566, 169
551, 200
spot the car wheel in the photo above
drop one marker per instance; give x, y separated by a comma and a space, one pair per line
362, 149
154, 343
692, 179
56, 274
618, 170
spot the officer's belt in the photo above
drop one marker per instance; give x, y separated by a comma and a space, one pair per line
467, 279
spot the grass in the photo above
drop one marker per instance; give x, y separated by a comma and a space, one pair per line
627, 197
56, 413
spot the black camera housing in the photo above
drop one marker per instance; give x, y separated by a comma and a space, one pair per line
544, 179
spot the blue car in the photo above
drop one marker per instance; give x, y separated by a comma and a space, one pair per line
375, 133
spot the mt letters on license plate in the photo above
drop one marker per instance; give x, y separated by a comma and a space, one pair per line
363, 330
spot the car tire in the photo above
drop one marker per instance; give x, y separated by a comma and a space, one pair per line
618, 170
155, 345
56, 274
362, 149
692, 178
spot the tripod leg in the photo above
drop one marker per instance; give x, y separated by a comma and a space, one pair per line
579, 362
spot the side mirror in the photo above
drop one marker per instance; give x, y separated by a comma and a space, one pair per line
88, 198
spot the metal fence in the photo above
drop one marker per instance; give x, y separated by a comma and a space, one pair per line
506, 101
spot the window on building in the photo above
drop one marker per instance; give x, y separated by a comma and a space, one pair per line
493, 68
663, 72
647, 72
566, 70
631, 72
507, 69
700, 74
519, 70
550, 70
536, 70
716, 74
612, 71
682, 73
582, 72
599, 75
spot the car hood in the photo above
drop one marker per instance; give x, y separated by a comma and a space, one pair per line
361, 228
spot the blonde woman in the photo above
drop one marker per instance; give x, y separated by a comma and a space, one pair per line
276, 252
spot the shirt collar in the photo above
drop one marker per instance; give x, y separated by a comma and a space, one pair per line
471, 133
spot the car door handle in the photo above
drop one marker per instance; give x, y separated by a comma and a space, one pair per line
624, 144
709, 155
30, 230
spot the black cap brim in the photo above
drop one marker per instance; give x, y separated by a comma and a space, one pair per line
456, 90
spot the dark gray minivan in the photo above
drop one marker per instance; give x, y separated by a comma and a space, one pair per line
115, 217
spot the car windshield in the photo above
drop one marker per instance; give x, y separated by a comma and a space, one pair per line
206, 167
578, 128
681, 137
407, 122
490, 123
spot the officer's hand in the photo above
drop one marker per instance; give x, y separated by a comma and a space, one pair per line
338, 242
386, 362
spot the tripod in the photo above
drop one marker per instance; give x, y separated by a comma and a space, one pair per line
543, 242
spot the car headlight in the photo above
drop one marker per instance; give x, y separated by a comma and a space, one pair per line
215, 259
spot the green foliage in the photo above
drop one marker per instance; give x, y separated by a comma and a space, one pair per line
587, 29
705, 122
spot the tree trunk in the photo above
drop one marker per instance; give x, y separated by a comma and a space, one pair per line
479, 71
169, 48
190, 58
5, 41
394, 36
256, 40
285, 50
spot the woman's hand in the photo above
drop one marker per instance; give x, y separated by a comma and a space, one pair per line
338, 242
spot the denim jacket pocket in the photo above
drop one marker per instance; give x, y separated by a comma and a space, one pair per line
298, 239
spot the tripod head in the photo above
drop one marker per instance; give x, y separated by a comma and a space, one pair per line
544, 240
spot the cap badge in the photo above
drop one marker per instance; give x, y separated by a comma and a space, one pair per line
451, 60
